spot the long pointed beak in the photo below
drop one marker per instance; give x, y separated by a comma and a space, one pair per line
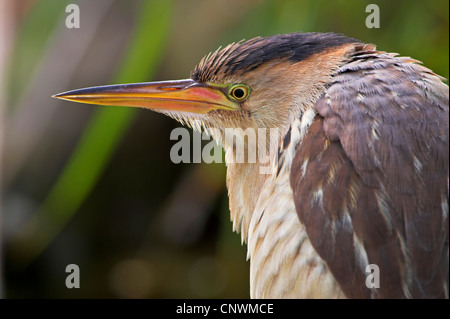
183, 95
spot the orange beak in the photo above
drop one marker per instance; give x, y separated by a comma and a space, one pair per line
182, 96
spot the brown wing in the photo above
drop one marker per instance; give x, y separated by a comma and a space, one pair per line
370, 179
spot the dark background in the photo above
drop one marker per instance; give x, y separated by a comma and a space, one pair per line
95, 186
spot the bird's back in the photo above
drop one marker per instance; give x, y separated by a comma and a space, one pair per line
367, 168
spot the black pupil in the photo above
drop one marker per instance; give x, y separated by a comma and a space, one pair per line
239, 93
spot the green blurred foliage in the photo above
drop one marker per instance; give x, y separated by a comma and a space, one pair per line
109, 199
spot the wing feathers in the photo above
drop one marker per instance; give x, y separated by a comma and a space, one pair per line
374, 188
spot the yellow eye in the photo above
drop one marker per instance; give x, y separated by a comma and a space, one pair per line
239, 92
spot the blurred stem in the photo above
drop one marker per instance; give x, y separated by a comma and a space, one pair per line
6, 31
100, 139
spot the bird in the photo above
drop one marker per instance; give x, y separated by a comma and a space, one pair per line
354, 201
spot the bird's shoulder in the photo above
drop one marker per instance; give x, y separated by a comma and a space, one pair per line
370, 179
379, 104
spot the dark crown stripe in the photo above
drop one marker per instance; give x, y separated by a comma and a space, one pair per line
246, 56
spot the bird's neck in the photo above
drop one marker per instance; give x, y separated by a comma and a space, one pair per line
246, 179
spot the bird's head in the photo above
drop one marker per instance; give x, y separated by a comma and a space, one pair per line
259, 83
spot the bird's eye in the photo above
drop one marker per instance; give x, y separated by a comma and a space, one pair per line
239, 92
